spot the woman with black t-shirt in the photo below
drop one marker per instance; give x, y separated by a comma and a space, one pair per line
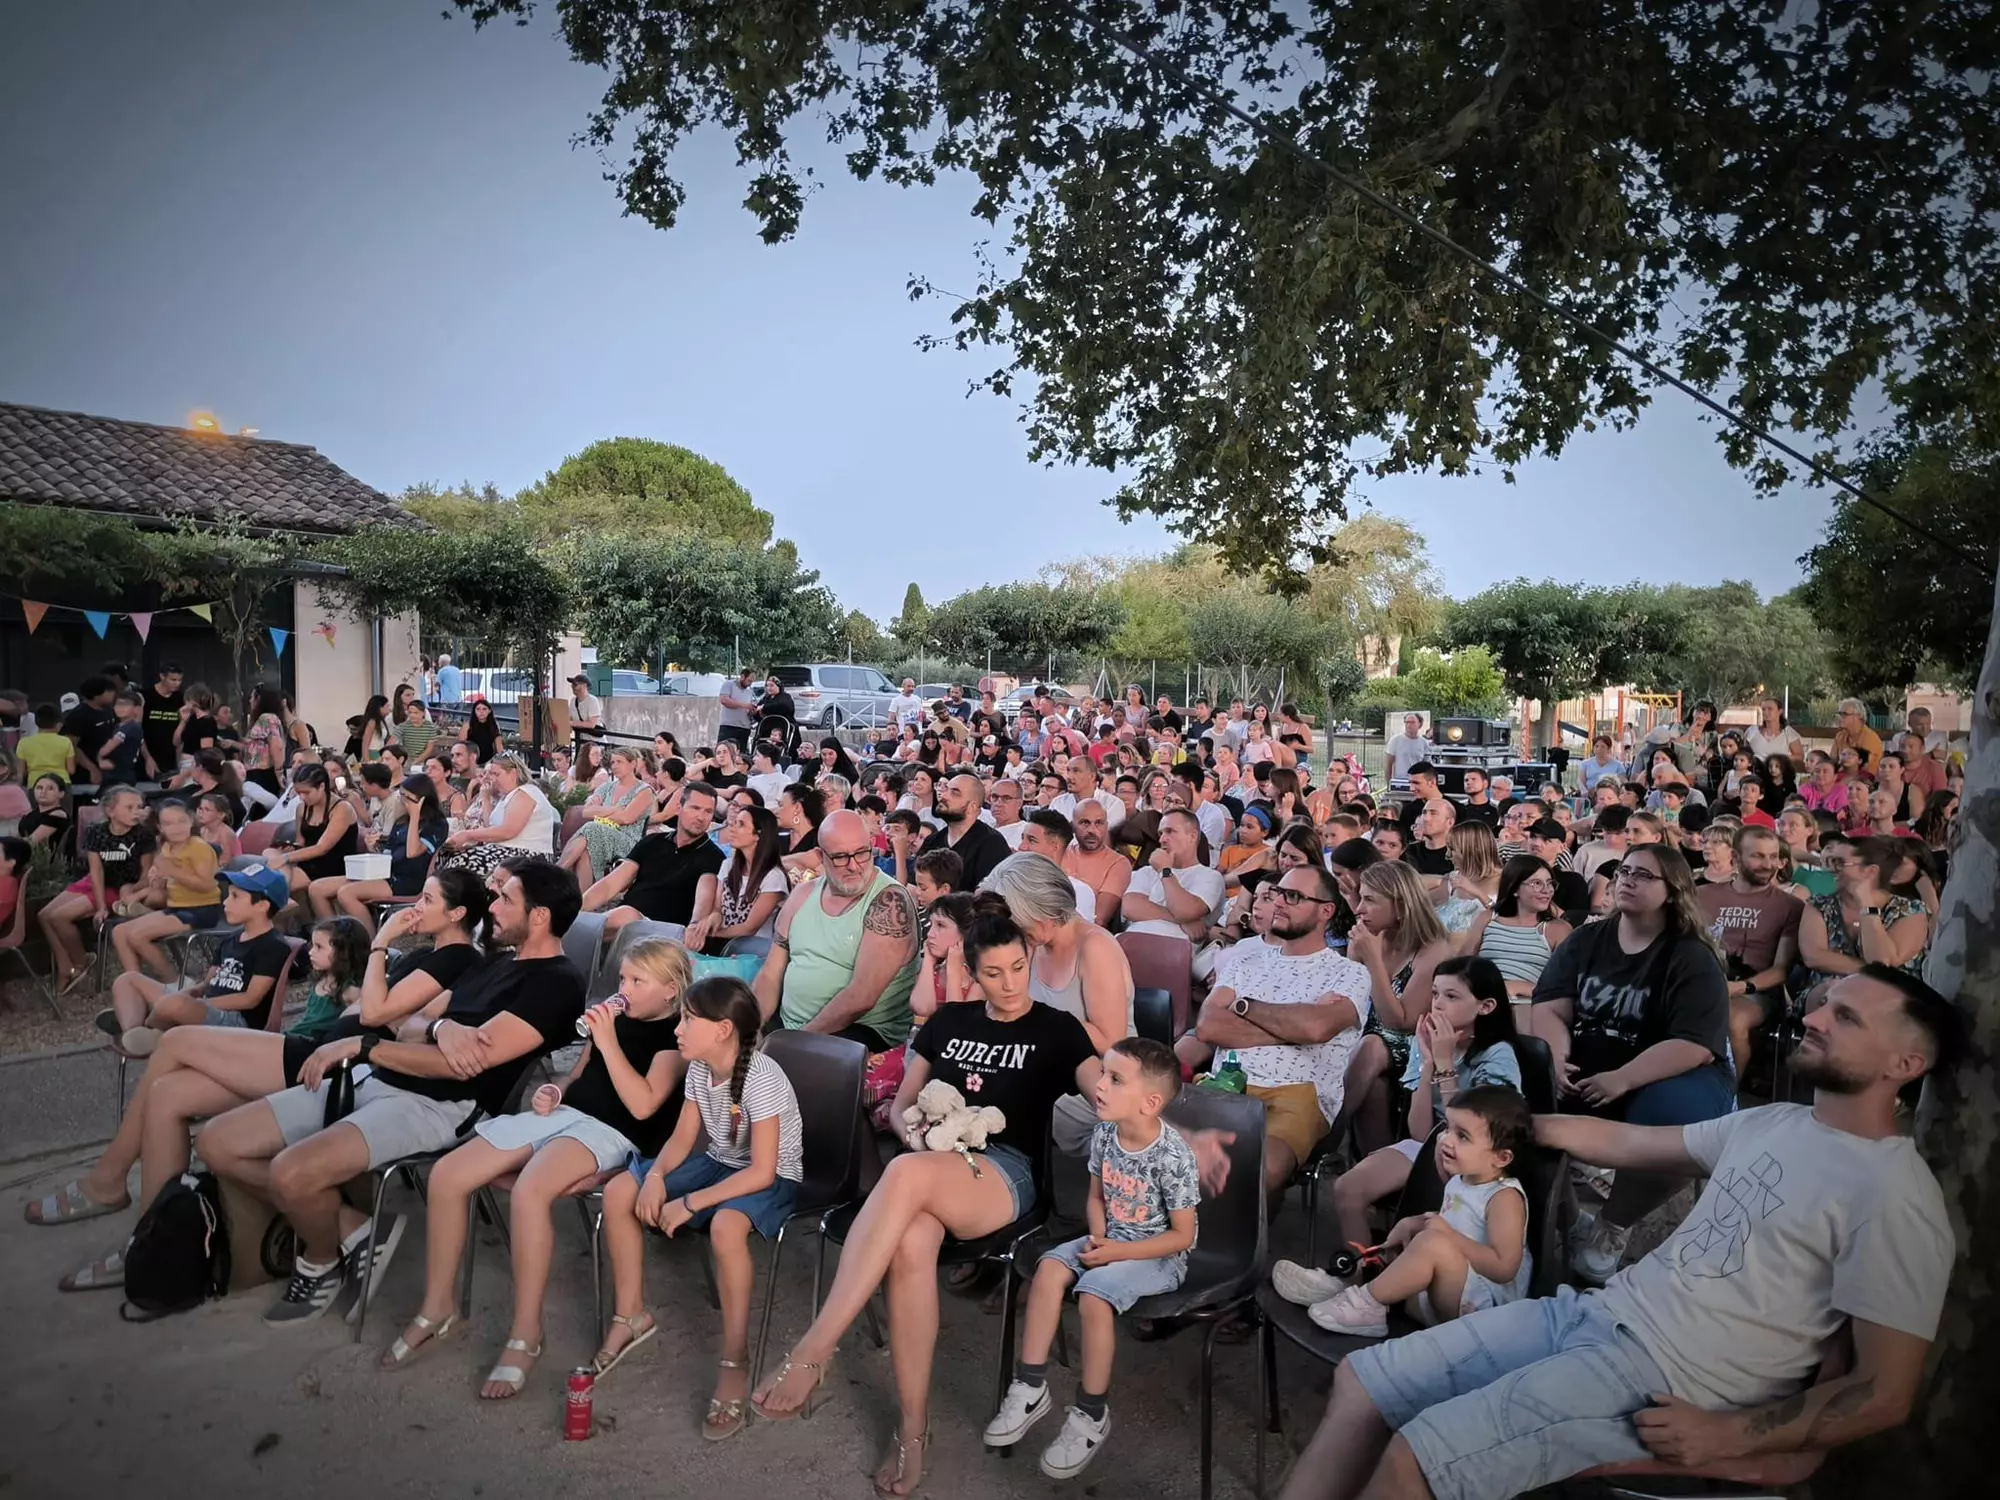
1010, 1052
620, 1100
328, 830
481, 730
200, 1071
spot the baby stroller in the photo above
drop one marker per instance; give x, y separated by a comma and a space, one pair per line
781, 731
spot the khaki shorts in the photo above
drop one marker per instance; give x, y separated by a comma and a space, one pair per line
394, 1122
1291, 1115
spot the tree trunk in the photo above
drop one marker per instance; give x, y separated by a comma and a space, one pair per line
1947, 1448
1546, 729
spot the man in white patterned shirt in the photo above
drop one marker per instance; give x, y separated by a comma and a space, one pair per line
1292, 1013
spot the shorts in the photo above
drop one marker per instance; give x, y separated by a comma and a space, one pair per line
767, 1210
1509, 1400
1409, 1149
1013, 1164
1292, 1115
200, 918
394, 1122
1478, 1295
1122, 1282
511, 1132
217, 1016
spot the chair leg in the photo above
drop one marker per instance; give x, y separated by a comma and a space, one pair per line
1208, 1409
123, 1062
708, 1280
383, 1177
597, 1267
465, 1265
1006, 1331
1311, 1197
770, 1301
1274, 1421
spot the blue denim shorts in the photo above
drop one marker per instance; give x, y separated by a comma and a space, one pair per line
766, 1210
1014, 1165
201, 918
1508, 1400
1123, 1282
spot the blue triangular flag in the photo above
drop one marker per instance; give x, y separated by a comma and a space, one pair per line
278, 639
100, 620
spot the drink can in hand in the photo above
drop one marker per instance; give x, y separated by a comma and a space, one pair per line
618, 1004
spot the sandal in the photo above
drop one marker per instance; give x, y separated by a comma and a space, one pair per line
725, 1418
513, 1377
903, 1446
606, 1359
104, 1272
71, 1205
403, 1351
818, 1369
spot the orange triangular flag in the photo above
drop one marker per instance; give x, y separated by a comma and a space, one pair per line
34, 612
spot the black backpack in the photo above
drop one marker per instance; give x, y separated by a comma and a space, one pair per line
179, 1254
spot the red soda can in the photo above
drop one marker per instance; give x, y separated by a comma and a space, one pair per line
576, 1410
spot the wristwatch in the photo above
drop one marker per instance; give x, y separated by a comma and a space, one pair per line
1240, 1006
1871, 911
431, 1031
368, 1041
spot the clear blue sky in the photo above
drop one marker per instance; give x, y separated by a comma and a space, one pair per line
363, 226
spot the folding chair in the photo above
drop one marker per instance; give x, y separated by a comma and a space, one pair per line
255, 837
583, 943
48, 994
1153, 1014
1165, 963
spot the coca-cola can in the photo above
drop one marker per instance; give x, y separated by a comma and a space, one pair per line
618, 1004
576, 1410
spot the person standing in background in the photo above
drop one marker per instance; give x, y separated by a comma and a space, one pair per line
1407, 748
450, 685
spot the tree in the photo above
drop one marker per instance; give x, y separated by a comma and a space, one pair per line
1554, 641
461, 507
1186, 302
698, 600
912, 627
1024, 624
1897, 608
1465, 684
1379, 582
635, 486
1739, 646
861, 638
231, 569
1243, 626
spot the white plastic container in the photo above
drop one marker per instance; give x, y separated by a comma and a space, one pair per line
367, 867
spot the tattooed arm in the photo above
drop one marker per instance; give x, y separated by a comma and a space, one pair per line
1875, 1395
888, 944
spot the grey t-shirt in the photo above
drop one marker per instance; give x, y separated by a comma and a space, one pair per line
1141, 1188
1800, 1228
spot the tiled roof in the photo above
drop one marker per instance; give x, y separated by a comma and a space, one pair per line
139, 469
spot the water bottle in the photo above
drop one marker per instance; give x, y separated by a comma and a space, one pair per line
1230, 1075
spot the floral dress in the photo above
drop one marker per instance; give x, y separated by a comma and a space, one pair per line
1840, 940
608, 843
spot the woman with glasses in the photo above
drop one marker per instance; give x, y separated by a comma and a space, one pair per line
1863, 921
1523, 927
1635, 1010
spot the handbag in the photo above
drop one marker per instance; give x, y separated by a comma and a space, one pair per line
743, 966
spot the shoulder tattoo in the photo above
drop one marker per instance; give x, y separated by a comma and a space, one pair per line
892, 914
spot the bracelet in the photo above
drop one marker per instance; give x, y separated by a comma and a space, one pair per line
1441, 1074
431, 1031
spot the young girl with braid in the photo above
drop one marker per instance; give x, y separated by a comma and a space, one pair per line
747, 1179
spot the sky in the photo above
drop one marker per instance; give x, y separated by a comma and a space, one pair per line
364, 226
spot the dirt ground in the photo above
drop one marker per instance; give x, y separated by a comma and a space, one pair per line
213, 1403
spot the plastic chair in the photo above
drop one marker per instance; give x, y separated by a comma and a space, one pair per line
1153, 1014
1164, 963
254, 837
14, 952
583, 943
1538, 1073
572, 821
605, 982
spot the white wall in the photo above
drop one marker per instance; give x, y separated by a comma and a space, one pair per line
334, 681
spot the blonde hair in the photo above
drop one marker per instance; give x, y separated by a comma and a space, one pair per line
1417, 924
662, 962
1474, 851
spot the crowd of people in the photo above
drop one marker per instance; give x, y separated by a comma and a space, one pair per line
1705, 915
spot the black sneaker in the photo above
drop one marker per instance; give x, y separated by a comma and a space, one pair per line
107, 1022
307, 1295
370, 1259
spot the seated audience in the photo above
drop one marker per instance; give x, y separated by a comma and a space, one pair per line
660, 880
742, 900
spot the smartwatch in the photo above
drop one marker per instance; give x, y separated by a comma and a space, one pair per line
1240, 1006
368, 1041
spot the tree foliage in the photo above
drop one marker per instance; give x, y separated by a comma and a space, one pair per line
1244, 626
861, 639
698, 600
1735, 647
1023, 624
1789, 202
498, 585
912, 627
1898, 609
637, 486
1465, 684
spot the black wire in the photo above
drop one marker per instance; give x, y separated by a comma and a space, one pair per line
1221, 98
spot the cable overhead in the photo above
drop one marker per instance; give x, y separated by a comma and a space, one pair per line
1224, 101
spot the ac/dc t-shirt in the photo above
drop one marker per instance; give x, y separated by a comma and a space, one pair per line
1019, 1067
547, 993
597, 1096
1618, 1013
239, 963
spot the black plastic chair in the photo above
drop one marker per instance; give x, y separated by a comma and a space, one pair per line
583, 943
604, 983
1153, 1015
1538, 1073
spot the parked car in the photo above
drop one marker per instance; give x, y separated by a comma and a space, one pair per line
626, 684
828, 694
693, 684
496, 684
1023, 697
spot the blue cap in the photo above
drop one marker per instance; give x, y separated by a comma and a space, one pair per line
262, 880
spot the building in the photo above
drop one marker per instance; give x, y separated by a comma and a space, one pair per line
155, 476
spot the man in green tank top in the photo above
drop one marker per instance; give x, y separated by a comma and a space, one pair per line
845, 958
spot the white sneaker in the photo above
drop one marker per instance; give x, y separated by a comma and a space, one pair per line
1354, 1312
1303, 1285
1598, 1259
1597, 1179
140, 1041
1581, 1233
1023, 1406
1076, 1445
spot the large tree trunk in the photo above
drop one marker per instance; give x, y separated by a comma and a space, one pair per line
1947, 1449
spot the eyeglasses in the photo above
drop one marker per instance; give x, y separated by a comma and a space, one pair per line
1296, 898
1637, 876
850, 857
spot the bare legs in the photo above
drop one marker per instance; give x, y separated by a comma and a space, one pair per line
137, 942
1346, 1448
60, 919
1367, 1083
354, 896
1432, 1262
1368, 1181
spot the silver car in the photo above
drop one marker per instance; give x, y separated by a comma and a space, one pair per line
829, 694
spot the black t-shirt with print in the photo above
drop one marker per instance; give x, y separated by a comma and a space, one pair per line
88, 728
120, 853
664, 888
238, 963
1019, 1067
547, 993
1617, 1014
162, 714
56, 819
597, 1096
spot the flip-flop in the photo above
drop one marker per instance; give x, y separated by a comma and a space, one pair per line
70, 1205
105, 1272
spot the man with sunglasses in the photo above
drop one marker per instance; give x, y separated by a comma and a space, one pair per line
1291, 1010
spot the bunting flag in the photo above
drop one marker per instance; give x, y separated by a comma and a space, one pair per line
326, 630
143, 623
207, 612
100, 620
278, 639
34, 613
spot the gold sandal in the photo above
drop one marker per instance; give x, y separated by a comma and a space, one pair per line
819, 1369
903, 1447
403, 1351
725, 1418
605, 1361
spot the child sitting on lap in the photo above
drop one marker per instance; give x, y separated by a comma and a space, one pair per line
1143, 1190
1472, 1255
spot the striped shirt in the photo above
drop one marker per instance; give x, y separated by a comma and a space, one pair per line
1520, 953
767, 1092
